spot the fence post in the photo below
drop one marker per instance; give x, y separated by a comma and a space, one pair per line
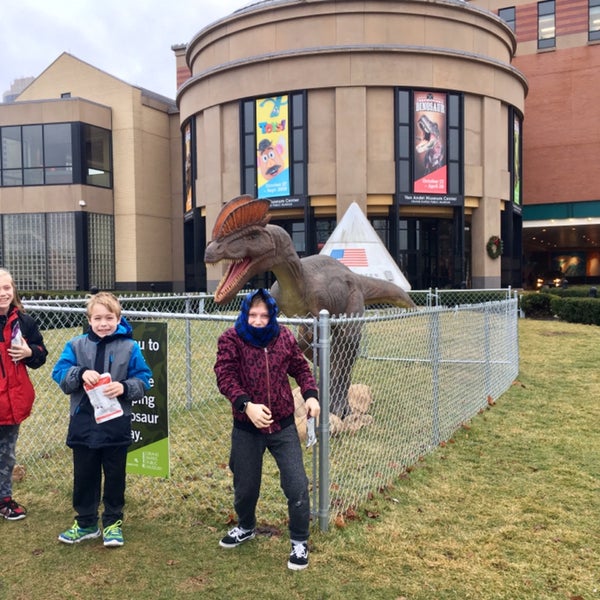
188, 357
435, 374
487, 350
324, 349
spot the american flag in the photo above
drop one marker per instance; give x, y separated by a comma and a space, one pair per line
351, 257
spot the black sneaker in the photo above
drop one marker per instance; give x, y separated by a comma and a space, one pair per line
298, 557
235, 537
10, 510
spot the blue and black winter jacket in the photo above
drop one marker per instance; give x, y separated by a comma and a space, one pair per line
118, 354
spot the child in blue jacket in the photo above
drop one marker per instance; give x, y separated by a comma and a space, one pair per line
99, 444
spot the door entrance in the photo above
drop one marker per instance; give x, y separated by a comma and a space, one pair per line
426, 248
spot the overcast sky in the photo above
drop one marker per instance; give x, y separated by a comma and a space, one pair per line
130, 39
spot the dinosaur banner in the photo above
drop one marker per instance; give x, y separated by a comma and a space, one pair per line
272, 152
430, 170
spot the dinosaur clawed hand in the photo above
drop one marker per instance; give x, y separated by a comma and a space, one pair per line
360, 399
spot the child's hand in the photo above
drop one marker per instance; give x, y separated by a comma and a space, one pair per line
259, 414
113, 389
313, 408
20, 351
90, 377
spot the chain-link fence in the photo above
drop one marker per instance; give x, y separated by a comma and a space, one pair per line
398, 383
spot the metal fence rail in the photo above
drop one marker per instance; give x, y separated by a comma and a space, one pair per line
417, 377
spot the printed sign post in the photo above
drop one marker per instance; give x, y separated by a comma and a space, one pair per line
149, 452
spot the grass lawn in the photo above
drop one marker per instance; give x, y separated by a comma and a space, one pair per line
508, 509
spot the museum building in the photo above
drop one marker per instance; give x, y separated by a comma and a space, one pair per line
443, 120
411, 109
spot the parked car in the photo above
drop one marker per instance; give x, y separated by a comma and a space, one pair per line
551, 279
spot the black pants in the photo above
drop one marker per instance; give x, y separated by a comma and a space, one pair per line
246, 461
88, 466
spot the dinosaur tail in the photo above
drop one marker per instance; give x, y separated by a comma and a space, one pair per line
380, 291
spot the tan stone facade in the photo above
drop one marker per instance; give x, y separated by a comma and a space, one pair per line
145, 197
349, 58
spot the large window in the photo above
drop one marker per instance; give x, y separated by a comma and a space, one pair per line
546, 24
96, 153
508, 15
594, 26
58, 251
55, 153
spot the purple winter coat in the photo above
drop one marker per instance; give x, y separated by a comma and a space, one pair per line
247, 373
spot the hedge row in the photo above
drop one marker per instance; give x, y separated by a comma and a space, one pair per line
570, 309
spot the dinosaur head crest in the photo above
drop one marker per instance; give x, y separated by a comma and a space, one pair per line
239, 213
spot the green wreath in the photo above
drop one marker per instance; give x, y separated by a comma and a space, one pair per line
494, 247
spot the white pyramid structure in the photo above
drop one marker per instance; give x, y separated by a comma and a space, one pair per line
355, 243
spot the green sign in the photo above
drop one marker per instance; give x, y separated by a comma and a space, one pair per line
149, 452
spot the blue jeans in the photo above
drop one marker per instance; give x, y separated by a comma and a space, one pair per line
8, 444
246, 461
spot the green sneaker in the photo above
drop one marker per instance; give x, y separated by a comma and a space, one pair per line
78, 534
113, 536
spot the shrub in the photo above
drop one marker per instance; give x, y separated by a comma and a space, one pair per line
536, 305
577, 310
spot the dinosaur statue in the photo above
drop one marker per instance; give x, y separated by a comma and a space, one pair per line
243, 236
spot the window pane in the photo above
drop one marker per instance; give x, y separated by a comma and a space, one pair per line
595, 17
454, 145
403, 106
59, 175
403, 141
298, 178
249, 117
33, 177
32, 146
11, 148
297, 145
508, 15
546, 24
298, 237
57, 145
297, 110
12, 177
546, 27
96, 158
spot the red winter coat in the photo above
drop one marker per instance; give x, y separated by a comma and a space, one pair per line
260, 375
16, 390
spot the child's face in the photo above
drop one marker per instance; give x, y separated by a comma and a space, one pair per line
102, 321
7, 293
258, 315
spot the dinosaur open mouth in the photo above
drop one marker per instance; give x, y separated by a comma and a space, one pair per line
230, 282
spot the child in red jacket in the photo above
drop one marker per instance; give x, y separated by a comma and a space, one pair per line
254, 360
21, 346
